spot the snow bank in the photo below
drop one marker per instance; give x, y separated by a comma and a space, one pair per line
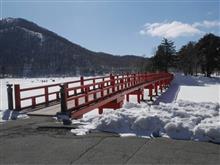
179, 120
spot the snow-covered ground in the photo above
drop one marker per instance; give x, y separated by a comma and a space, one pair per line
188, 110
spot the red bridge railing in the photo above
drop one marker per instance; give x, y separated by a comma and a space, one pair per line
31, 95
110, 93
84, 95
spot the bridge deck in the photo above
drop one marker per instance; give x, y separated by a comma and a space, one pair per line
47, 111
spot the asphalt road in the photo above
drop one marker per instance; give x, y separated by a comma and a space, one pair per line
39, 140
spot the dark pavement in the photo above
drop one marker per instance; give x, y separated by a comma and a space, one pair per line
39, 140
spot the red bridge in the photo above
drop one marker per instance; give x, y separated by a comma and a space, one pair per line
79, 97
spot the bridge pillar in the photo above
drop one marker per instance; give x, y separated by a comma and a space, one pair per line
156, 89
161, 86
100, 110
115, 104
150, 87
139, 93
127, 97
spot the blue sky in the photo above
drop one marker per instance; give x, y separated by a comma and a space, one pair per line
120, 27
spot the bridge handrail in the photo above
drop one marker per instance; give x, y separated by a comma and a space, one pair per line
82, 84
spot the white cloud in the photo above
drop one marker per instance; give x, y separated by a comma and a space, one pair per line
176, 28
169, 29
207, 24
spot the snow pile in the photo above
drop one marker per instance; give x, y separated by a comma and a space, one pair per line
179, 120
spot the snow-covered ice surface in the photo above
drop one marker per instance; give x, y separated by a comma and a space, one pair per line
200, 89
178, 113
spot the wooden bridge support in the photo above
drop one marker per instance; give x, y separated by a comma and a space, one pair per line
161, 86
139, 93
150, 88
115, 104
156, 88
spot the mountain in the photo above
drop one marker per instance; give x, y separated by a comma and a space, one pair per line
29, 50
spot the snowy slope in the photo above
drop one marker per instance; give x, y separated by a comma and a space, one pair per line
174, 116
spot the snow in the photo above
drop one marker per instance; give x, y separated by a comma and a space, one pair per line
180, 120
188, 110
33, 33
181, 116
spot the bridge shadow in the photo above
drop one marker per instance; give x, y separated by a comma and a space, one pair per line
169, 95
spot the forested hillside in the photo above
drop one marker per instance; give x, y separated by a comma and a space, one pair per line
28, 50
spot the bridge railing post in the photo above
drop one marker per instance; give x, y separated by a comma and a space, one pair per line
17, 97
46, 95
86, 94
63, 101
93, 81
82, 83
112, 79
134, 79
10, 96
33, 101
122, 83
102, 89
129, 81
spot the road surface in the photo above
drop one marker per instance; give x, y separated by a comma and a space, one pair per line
39, 140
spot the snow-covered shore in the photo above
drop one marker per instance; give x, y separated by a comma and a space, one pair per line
184, 112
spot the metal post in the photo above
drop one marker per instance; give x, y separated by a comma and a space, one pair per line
10, 96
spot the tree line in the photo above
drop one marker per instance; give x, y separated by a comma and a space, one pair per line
193, 58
